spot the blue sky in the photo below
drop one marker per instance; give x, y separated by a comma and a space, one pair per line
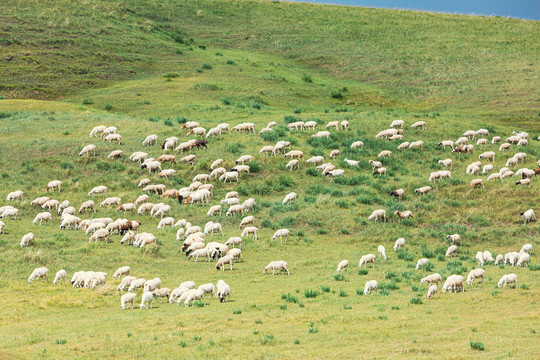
523, 9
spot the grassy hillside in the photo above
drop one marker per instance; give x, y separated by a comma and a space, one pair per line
195, 61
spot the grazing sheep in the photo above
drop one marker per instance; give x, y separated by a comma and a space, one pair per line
511, 257
366, 259
523, 259
250, 230
15, 195
88, 149
127, 299
399, 243
404, 215
419, 124
227, 259
60, 277
235, 209
214, 210
98, 190
244, 159
99, 235
248, 220
111, 201
382, 251
494, 176
508, 279
384, 153
223, 291
281, 233
398, 193
378, 215
27, 240
162, 293
234, 241
421, 262
495, 139
316, 160
488, 155
432, 279
357, 145
166, 221
128, 237
277, 265
397, 123
124, 270
370, 286
499, 259
487, 256
38, 274
528, 216
481, 142
451, 251
454, 283
380, 171
416, 144
477, 183
293, 164
151, 285
423, 190
526, 248
229, 176
432, 291
524, 182
289, 197
2, 227
43, 216
147, 300
475, 274
343, 264
480, 258
404, 145
487, 169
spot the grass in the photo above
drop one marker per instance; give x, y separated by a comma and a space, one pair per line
93, 65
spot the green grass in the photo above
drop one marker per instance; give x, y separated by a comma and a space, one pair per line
93, 64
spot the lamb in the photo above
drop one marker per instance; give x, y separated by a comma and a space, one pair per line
421, 262
281, 233
399, 243
87, 150
250, 230
357, 145
499, 259
432, 291
343, 264
528, 216
454, 282
508, 279
248, 220
147, 300
475, 274
27, 240
382, 251
384, 153
60, 277
423, 190
98, 190
43, 216
451, 251
366, 259
378, 215
38, 274
124, 270
398, 193
370, 286
227, 259
404, 215
233, 241
419, 124
277, 265
290, 197
523, 259
432, 279
223, 291
293, 164
477, 183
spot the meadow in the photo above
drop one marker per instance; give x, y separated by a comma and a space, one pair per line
148, 66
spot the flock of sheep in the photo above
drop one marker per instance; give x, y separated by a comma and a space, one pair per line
195, 242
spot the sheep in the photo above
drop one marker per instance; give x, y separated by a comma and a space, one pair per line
344, 125
214, 210
388, 133
462, 141
487, 169
382, 251
404, 145
404, 215
432, 279
87, 150
233, 241
110, 201
378, 215
277, 265
416, 144
454, 282
292, 165
432, 291
93, 227
162, 293
334, 173
180, 291
481, 142
423, 190
477, 183
357, 145
507, 174
528, 216
247, 221
224, 291
480, 258
43, 216
227, 259
295, 125
166, 221
508, 279
451, 251
10, 211
39, 273
124, 270
39, 201
523, 259
235, 209
475, 274
207, 288
488, 155
487, 256
147, 300
499, 259
64, 205
15, 195
151, 285
471, 134
511, 257
397, 123
235, 254
250, 230
310, 125
399, 243
522, 142
332, 124
294, 154
100, 234
231, 201
419, 124
229, 176
325, 134
27, 240
196, 253
267, 149
380, 171
366, 259
398, 193
384, 153
495, 139
128, 237
290, 197
511, 162
212, 228
281, 233
523, 182
265, 130
527, 248
60, 277
494, 176
98, 190
244, 159
370, 286
112, 137
421, 262
165, 209
153, 165
343, 264
69, 221
2, 227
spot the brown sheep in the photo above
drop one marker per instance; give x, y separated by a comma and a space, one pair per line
171, 193
405, 214
167, 158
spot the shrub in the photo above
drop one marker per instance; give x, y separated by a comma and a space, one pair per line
307, 78
415, 300
290, 119
168, 122
311, 293
171, 75
345, 231
325, 289
289, 298
336, 94
340, 277
342, 293
312, 172
108, 107
230, 62
206, 87
67, 165
60, 341
297, 111
477, 345
226, 101
362, 272
88, 101
235, 148
404, 255
427, 253
237, 312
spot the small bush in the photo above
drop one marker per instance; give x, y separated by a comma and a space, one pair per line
336, 94
325, 289
297, 111
60, 341
108, 107
168, 122
477, 345
415, 300
404, 255
307, 78
237, 312
206, 87
362, 272
340, 277
230, 62
67, 165
289, 298
87, 101
226, 101
171, 75
342, 293
308, 293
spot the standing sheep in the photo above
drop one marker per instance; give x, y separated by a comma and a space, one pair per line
343, 264
508, 279
60, 277
38, 274
370, 286
277, 265
126, 299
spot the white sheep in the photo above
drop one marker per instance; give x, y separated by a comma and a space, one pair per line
508, 279
248, 220
451, 251
60, 277
523, 259
480, 258
475, 274
432, 291
281, 233
98, 190
315, 160
43, 216
231, 175
454, 238
528, 216
343, 264
227, 259
151, 285
88, 149
487, 256
277, 265
15, 195
124, 270
250, 230
147, 300
432, 279
233, 241
289, 197
419, 124
499, 259
126, 299
366, 259
421, 262
382, 251
38, 274
27, 240
399, 243
454, 283
168, 221
526, 248
423, 190
370, 286
223, 292
357, 145
378, 215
